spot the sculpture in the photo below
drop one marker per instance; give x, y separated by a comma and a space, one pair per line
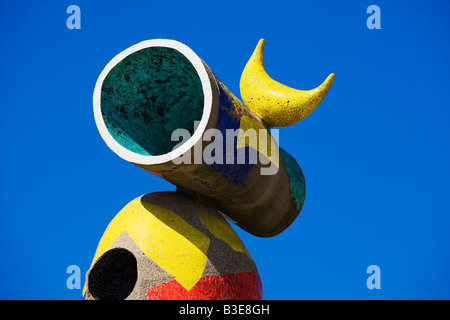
178, 245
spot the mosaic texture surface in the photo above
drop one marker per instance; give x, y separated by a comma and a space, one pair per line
296, 179
149, 94
230, 112
236, 286
278, 105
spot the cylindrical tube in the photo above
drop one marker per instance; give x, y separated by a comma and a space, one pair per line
159, 106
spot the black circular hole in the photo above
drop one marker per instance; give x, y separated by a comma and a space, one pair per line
114, 275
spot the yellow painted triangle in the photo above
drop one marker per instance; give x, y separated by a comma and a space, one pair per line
254, 135
167, 239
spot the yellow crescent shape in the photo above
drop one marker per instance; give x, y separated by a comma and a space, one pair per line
278, 105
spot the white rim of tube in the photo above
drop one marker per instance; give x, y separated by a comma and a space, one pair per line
137, 158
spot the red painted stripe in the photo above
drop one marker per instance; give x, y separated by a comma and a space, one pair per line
234, 286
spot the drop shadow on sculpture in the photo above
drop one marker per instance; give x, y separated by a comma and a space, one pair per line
221, 256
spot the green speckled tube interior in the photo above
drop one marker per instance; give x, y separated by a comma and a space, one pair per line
148, 95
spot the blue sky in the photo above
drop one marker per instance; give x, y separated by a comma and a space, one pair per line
375, 153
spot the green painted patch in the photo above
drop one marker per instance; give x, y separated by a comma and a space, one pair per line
148, 95
296, 179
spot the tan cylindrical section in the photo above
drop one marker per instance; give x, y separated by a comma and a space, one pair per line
143, 95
